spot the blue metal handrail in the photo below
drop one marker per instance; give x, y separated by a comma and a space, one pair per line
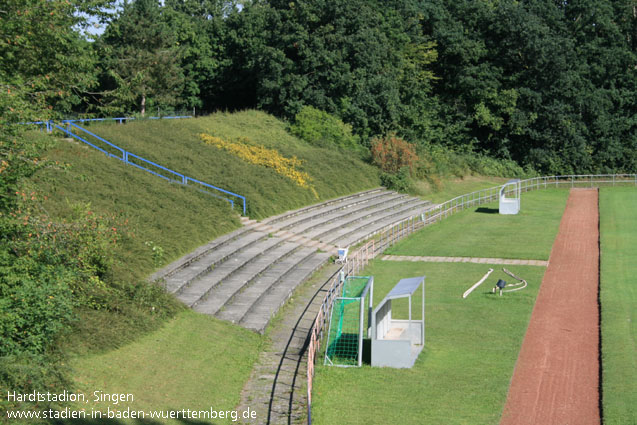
127, 160
70, 124
127, 156
243, 199
68, 132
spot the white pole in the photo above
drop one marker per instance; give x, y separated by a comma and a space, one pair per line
360, 331
423, 312
470, 290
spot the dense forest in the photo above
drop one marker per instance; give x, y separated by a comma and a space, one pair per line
549, 84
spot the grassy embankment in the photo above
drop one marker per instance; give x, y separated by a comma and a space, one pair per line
618, 298
123, 349
176, 144
193, 362
463, 374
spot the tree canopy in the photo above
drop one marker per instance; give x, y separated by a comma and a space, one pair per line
550, 85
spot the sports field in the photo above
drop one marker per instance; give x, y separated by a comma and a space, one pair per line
482, 232
464, 372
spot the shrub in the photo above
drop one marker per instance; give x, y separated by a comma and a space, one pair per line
442, 161
399, 181
270, 158
36, 304
321, 129
392, 153
25, 373
46, 269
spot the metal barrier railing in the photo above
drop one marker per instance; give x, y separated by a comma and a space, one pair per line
114, 151
355, 262
49, 124
403, 228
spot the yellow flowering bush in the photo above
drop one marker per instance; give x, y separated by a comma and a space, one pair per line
260, 155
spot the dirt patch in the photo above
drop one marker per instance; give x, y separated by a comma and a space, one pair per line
556, 378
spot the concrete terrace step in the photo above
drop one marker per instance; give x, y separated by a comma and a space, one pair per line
338, 208
351, 219
324, 233
198, 289
233, 284
345, 213
309, 208
180, 279
269, 303
189, 258
347, 237
294, 237
238, 307
246, 276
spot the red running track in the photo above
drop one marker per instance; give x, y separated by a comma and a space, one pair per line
556, 377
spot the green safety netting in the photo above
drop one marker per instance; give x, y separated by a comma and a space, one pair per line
354, 286
345, 331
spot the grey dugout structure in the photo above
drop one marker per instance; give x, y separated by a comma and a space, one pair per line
397, 343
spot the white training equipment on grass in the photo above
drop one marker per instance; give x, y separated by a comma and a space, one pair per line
470, 290
516, 286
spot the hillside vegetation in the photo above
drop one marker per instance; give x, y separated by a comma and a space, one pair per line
175, 219
177, 144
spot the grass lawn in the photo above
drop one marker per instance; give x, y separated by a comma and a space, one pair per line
450, 188
619, 304
482, 232
463, 374
193, 362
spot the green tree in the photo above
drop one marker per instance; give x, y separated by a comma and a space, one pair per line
548, 84
45, 63
322, 129
141, 60
364, 61
46, 69
198, 28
